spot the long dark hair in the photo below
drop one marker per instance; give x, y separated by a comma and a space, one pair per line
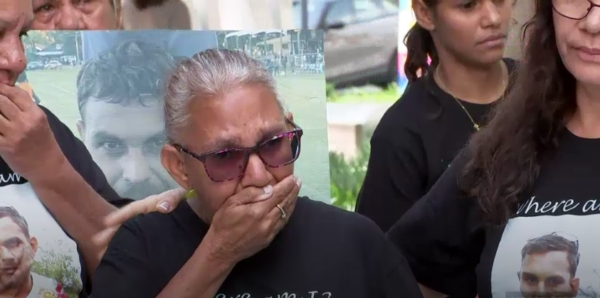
504, 157
420, 47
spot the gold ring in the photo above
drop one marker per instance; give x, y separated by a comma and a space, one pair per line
283, 214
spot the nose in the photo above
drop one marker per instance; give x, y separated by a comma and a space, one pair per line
69, 18
492, 15
12, 58
591, 23
256, 173
135, 167
6, 255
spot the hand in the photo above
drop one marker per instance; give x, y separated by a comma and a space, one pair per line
249, 220
164, 203
27, 143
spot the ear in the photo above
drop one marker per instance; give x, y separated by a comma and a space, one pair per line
80, 129
423, 14
172, 161
575, 286
34, 245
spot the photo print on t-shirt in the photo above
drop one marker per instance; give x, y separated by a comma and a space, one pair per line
546, 253
107, 87
36, 255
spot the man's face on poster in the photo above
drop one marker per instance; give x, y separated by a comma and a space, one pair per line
16, 254
125, 141
547, 274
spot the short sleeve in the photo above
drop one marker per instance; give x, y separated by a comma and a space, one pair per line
442, 238
125, 270
82, 161
396, 176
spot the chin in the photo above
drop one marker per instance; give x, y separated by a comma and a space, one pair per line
585, 73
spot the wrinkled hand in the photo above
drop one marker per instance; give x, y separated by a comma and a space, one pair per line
249, 220
27, 143
164, 203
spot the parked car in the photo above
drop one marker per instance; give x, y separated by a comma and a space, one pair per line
361, 39
33, 65
53, 64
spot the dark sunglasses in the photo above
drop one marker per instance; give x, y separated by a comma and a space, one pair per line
229, 164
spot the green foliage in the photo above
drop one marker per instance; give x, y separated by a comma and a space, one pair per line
369, 94
61, 268
347, 176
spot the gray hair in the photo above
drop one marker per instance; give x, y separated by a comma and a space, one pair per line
207, 74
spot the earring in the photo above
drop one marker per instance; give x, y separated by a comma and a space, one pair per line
190, 194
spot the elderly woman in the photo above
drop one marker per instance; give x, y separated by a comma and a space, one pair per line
243, 231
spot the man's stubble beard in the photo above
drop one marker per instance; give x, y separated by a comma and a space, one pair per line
21, 275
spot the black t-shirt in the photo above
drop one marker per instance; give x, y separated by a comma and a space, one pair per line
323, 251
38, 246
551, 244
412, 146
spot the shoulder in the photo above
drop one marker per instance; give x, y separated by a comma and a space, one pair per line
339, 221
411, 110
62, 133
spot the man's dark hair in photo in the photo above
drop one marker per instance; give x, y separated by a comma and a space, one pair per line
128, 74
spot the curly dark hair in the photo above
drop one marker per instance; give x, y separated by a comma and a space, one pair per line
505, 156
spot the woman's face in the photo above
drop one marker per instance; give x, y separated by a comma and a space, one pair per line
475, 31
578, 41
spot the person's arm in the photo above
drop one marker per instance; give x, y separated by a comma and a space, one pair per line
126, 270
442, 239
396, 176
389, 273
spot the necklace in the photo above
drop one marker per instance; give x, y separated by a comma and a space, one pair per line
439, 79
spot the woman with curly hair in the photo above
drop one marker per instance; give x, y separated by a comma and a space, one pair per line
511, 213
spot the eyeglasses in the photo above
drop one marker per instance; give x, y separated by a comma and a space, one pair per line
224, 165
573, 9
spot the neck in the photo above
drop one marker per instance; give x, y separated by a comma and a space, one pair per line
585, 122
21, 291
476, 85
194, 203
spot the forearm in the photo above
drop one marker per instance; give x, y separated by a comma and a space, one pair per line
200, 277
77, 207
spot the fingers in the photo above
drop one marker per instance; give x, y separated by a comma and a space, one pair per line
281, 190
17, 95
276, 215
132, 209
248, 195
170, 199
8, 110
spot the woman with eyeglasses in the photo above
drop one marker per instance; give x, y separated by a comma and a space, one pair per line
422, 132
526, 178
243, 232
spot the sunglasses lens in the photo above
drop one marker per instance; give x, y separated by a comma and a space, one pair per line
282, 150
225, 165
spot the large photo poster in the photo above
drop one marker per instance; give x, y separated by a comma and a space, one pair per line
107, 86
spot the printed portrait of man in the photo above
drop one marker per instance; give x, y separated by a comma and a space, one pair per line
120, 100
17, 253
549, 266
